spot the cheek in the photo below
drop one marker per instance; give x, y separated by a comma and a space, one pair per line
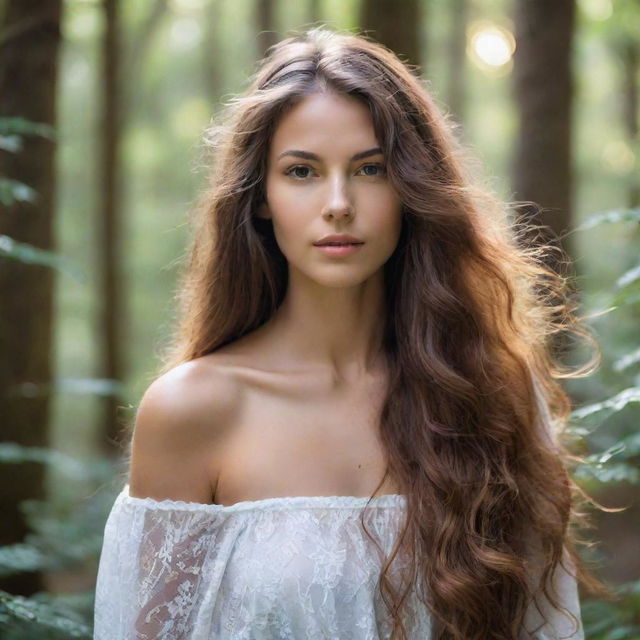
385, 214
290, 220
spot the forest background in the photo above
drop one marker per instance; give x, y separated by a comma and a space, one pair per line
103, 105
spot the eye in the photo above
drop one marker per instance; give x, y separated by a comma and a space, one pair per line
381, 170
290, 172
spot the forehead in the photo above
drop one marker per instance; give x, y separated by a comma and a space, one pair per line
325, 124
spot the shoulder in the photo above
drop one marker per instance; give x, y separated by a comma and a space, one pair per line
181, 422
186, 396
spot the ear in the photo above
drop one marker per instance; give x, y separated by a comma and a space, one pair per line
264, 211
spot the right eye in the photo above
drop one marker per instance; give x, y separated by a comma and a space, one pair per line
298, 167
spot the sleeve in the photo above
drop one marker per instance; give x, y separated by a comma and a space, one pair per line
559, 624
564, 583
150, 581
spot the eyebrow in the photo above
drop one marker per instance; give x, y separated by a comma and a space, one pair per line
312, 156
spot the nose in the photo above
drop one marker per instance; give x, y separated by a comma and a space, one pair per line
338, 202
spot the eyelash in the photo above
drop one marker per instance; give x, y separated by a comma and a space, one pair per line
304, 166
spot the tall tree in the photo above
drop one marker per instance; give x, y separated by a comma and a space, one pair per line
314, 11
457, 57
109, 223
630, 54
137, 53
211, 55
395, 25
543, 86
29, 46
265, 22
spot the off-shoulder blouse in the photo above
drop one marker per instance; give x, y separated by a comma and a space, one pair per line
294, 568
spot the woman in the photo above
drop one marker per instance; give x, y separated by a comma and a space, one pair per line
357, 431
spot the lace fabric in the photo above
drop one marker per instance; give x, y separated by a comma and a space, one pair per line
293, 568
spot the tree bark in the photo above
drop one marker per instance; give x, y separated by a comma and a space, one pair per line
29, 46
457, 58
137, 53
543, 173
396, 25
314, 11
211, 56
631, 63
544, 96
111, 310
265, 21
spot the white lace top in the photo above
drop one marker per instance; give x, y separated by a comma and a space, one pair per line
298, 568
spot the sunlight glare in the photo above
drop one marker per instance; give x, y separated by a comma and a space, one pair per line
491, 45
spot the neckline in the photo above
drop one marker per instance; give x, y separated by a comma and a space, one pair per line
269, 504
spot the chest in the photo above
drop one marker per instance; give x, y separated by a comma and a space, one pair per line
289, 444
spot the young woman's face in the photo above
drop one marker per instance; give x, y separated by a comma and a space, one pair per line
341, 187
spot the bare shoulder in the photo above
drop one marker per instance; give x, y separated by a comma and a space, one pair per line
181, 423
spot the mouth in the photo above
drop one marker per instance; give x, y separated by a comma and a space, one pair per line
339, 249
332, 243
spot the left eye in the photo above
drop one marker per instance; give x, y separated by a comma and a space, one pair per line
376, 166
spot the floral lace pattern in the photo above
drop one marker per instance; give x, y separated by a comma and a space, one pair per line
294, 568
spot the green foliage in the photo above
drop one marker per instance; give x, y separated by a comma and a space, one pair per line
13, 191
619, 462
62, 538
29, 254
614, 621
12, 131
36, 618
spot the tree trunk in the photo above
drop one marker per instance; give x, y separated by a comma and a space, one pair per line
457, 59
211, 56
136, 55
109, 225
544, 96
265, 21
631, 62
29, 45
394, 24
314, 11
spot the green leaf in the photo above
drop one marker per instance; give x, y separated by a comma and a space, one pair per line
13, 143
89, 386
629, 277
13, 191
37, 614
605, 456
602, 410
16, 558
609, 473
22, 252
22, 126
627, 361
610, 217
631, 446
79, 386
12, 452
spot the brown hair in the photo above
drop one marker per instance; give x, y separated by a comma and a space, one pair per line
474, 421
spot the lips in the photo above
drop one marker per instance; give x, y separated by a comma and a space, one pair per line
338, 239
336, 244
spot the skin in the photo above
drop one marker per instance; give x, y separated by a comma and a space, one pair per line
293, 407
313, 376
331, 317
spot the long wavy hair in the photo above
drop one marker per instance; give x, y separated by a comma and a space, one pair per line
474, 423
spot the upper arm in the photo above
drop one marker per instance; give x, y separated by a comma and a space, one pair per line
178, 433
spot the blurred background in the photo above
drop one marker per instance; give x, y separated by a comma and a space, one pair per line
103, 105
